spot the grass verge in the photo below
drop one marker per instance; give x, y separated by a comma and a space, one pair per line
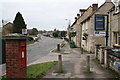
85, 51
39, 70
30, 42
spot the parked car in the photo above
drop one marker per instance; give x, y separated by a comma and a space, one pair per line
117, 64
35, 38
117, 51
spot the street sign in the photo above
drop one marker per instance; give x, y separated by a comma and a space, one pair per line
24, 31
99, 22
97, 33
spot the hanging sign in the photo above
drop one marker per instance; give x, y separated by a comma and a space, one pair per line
99, 22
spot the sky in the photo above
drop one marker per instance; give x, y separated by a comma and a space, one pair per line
44, 14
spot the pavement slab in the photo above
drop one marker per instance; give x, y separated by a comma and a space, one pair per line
74, 66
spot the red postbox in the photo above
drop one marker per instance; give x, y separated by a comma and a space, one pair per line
22, 54
16, 61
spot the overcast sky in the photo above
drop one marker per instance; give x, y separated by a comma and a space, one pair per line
44, 14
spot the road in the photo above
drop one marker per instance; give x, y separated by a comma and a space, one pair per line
37, 50
41, 48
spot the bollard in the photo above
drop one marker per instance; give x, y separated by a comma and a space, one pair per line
81, 50
106, 60
88, 63
60, 69
58, 47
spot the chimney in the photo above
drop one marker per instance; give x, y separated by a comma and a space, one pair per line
107, 0
95, 6
78, 15
82, 11
75, 18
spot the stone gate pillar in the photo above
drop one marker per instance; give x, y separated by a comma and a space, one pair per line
102, 54
96, 50
15, 56
106, 56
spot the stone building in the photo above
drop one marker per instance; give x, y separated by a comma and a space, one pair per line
95, 27
77, 27
92, 26
114, 25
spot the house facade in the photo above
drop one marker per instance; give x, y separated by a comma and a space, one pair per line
95, 27
77, 26
114, 25
98, 25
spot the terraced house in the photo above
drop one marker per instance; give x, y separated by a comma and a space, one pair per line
77, 26
93, 26
114, 25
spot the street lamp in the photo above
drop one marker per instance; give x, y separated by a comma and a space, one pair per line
68, 29
69, 21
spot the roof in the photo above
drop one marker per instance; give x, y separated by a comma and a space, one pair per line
85, 11
97, 10
74, 23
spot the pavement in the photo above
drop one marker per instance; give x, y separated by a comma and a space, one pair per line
74, 65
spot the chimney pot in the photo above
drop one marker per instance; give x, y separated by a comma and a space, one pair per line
95, 6
107, 0
78, 15
82, 11
75, 18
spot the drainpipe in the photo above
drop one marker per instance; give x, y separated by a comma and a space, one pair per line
107, 30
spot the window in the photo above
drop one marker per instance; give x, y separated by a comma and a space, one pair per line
83, 26
87, 25
116, 37
117, 4
119, 38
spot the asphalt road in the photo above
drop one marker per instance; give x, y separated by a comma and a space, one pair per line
37, 50
41, 48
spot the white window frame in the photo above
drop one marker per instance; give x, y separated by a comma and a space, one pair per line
83, 27
117, 6
87, 23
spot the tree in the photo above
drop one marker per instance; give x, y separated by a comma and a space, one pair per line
34, 31
56, 34
18, 23
63, 33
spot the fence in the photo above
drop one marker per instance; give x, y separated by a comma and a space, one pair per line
107, 57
